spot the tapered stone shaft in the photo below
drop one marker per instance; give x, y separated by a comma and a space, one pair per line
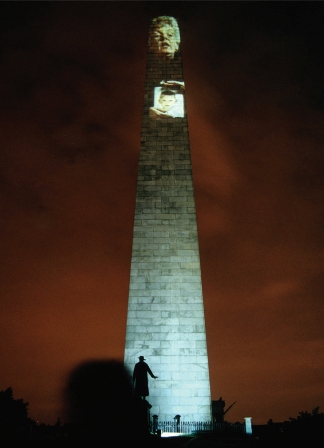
165, 321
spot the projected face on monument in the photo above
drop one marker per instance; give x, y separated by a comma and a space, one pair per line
168, 100
164, 37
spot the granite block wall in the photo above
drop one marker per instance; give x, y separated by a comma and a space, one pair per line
165, 321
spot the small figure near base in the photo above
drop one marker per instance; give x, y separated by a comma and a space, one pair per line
140, 378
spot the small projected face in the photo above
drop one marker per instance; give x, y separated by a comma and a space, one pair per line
164, 40
167, 102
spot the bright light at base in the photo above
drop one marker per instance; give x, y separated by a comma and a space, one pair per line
173, 434
248, 425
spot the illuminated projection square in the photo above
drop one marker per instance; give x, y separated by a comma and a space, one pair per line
165, 321
168, 100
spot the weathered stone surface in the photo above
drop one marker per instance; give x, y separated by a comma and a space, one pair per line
165, 321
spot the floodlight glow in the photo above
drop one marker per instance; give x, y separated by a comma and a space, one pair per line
248, 425
173, 434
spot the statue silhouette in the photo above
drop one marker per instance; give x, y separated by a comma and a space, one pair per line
140, 378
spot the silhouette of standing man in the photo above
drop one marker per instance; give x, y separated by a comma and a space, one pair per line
140, 378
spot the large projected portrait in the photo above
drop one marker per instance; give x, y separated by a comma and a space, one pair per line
168, 100
164, 38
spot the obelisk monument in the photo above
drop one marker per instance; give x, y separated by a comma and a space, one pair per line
165, 321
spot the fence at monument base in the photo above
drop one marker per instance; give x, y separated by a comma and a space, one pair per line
198, 427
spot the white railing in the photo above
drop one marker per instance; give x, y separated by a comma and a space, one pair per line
197, 427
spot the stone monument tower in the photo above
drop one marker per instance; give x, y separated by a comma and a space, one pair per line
165, 321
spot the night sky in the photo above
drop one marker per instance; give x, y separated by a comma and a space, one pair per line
72, 83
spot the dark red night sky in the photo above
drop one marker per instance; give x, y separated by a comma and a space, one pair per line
72, 81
